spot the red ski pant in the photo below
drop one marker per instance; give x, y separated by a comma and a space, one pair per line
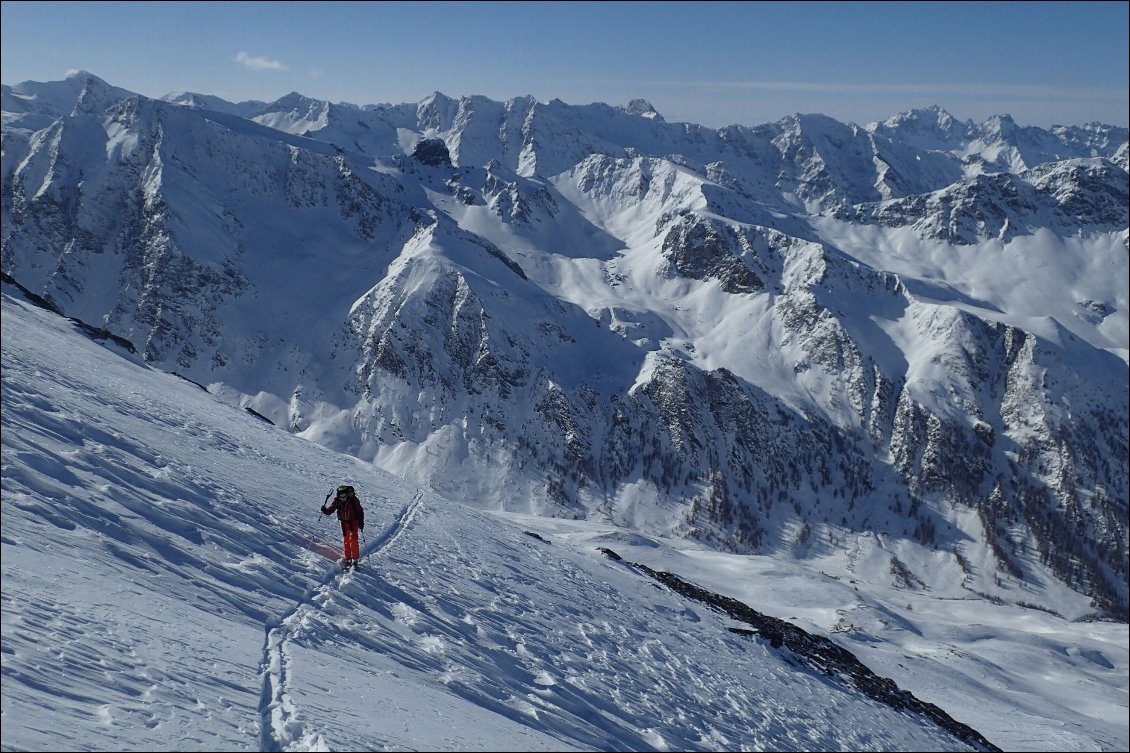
349, 533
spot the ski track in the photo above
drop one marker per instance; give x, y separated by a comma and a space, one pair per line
281, 727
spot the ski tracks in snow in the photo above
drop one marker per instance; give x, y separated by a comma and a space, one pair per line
280, 726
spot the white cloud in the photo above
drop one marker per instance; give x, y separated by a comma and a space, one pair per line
260, 63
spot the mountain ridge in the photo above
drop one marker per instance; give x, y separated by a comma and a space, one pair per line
588, 311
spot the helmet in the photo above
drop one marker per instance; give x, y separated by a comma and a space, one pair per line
344, 489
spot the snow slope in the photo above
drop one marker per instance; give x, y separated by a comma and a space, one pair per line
168, 584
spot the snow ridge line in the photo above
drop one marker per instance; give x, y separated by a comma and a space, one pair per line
279, 726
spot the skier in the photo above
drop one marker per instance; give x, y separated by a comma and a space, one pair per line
352, 517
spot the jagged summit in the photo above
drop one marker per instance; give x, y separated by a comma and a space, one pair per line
927, 121
642, 108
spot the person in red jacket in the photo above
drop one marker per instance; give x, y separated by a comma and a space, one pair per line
352, 517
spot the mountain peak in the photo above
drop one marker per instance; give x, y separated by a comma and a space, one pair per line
926, 117
1001, 126
293, 100
209, 102
438, 98
642, 108
928, 127
92, 94
85, 77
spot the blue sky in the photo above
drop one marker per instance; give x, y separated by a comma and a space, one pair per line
713, 63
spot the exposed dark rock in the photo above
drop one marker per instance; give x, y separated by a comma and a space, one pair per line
433, 153
817, 653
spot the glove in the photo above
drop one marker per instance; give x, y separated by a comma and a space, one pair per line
324, 510
361, 526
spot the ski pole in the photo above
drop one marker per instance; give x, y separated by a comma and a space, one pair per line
321, 514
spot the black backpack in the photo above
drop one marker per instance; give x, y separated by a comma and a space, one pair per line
351, 509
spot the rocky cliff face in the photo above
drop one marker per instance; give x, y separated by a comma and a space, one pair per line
790, 337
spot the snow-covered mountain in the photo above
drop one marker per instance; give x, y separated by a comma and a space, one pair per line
808, 338
168, 584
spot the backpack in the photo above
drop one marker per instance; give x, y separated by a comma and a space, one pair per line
351, 509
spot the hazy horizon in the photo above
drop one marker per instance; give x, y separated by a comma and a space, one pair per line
715, 64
